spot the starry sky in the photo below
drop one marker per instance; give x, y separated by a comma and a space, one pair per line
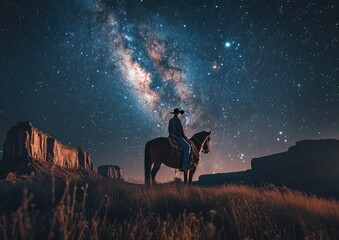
105, 75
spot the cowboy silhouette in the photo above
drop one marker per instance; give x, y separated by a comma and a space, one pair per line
176, 130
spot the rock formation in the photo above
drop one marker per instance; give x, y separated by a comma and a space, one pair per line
310, 165
110, 171
320, 154
25, 142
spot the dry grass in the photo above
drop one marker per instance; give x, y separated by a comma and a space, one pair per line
107, 210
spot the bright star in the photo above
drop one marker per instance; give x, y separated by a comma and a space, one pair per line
227, 44
215, 65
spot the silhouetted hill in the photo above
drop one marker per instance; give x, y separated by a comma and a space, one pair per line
104, 209
310, 165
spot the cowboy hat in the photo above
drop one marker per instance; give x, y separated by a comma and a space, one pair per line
176, 111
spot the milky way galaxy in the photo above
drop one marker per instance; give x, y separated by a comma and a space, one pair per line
150, 65
105, 75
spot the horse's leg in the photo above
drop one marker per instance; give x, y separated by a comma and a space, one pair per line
148, 164
148, 167
192, 171
185, 177
155, 169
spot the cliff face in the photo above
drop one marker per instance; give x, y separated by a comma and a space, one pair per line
310, 165
27, 142
319, 156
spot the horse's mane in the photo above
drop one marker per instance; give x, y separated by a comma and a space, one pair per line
200, 135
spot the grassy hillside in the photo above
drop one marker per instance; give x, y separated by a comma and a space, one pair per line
42, 208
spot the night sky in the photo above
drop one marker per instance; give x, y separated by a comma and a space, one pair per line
105, 75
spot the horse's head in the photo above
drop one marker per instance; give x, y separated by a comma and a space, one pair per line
202, 141
206, 146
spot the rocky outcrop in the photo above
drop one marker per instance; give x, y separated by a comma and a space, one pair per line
25, 142
110, 171
320, 155
310, 165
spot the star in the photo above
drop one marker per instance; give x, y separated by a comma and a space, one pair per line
227, 44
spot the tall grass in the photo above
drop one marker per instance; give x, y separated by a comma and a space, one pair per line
108, 210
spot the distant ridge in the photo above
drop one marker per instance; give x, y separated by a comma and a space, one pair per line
310, 165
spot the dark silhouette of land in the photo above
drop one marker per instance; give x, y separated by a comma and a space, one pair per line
310, 166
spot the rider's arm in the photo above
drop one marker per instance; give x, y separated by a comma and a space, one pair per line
181, 129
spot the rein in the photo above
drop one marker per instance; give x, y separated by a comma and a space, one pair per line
195, 150
201, 145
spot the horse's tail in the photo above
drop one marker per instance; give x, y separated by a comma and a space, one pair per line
147, 163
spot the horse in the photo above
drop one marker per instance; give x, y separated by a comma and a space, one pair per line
159, 151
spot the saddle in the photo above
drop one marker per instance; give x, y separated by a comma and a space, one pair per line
174, 143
